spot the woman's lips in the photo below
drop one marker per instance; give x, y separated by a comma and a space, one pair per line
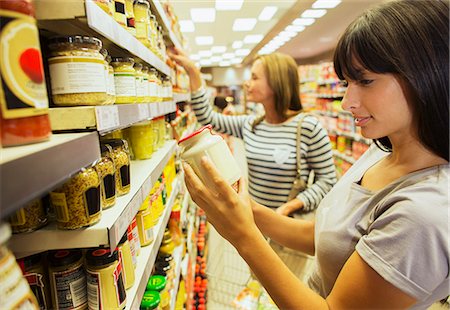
361, 121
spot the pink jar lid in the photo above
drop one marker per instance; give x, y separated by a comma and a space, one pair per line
209, 127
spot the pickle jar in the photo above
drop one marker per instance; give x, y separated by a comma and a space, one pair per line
124, 79
139, 81
153, 85
121, 158
142, 139
142, 21
119, 12
146, 84
105, 279
111, 91
77, 71
107, 174
29, 218
77, 203
36, 274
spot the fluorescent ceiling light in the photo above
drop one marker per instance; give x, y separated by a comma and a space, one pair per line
314, 13
203, 15
244, 24
187, 26
253, 38
194, 57
205, 53
295, 28
204, 40
242, 52
263, 52
287, 34
281, 39
216, 59
326, 4
229, 5
237, 44
267, 13
228, 56
224, 63
303, 21
205, 62
236, 60
218, 49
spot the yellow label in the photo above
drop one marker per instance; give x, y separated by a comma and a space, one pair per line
59, 203
23, 91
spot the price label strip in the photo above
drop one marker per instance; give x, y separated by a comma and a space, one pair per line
107, 117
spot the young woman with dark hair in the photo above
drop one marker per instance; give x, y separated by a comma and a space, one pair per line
381, 235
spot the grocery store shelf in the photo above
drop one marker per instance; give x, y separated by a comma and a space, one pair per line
352, 135
177, 257
347, 158
184, 207
86, 18
30, 171
114, 221
164, 21
330, 96
106, 118
146, 259
178, 97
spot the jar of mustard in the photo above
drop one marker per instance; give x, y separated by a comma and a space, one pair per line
121, 158
139, 81
127, 261
105, 284
77, 203
153, 83
124, 79
107, 174
146, 86
119, 12
142, 139
77, 71
142, 21
29, 218
67, 279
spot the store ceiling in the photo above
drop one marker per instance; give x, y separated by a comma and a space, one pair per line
315, 39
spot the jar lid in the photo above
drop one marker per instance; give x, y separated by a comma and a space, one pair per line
123, 59
5, 232
59, 258
101, 257
113, 142
141, 2
104, 52
163, 265
150, 300
156, 283
195, 133
138, 66
145, 68
104, 148
55, 41
164, 257
108, 58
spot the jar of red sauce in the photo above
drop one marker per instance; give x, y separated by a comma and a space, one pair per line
23, 94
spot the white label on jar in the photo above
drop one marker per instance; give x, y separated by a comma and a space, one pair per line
93, 290
125, 84
146, 88
111, 85
153, 89
106, 73
70, 288
69, 75
140, 91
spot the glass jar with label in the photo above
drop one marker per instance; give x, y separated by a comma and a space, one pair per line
142, 21
121, 158
29, 218
145, 223
15, 292
153, 33
24, 102
133, 239
105, 285
127, 261
77, 71
124, 79
139, 78
129, 13
146, 85
167, 86
77, 202
107, 174
153, 85
158, 284
34, 271
67, 279
119, 12
151, 301
111, 86
142, 139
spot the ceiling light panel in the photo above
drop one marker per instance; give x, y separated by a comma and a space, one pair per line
244, 24
205, 62
203, 15
205, 53
229, 5
303, 21
295, 28
314, 13
242, 52
194, 57
216, 59
218, 49
253, 38
237, 44
187, 26
228, 55
326, 4
224, 63
267, 13
204, 40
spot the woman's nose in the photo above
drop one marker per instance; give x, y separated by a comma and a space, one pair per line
350, 100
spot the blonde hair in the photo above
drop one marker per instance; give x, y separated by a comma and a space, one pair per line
282, 77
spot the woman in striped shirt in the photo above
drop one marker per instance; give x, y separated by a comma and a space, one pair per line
270, 141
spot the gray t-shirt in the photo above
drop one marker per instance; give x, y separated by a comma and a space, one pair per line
401, 231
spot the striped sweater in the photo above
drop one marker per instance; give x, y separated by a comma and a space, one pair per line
271, 153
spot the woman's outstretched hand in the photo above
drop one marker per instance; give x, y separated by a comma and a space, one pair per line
229, 212
191, 69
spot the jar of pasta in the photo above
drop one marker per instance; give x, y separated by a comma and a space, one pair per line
124, 79
146, 84
119, 12
121, 158
142, 21
107, 175
142, 139
139, 78
106, 5
29, 218
77, 202
77, 71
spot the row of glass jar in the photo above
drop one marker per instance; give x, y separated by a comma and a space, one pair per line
82, 73
136, 17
